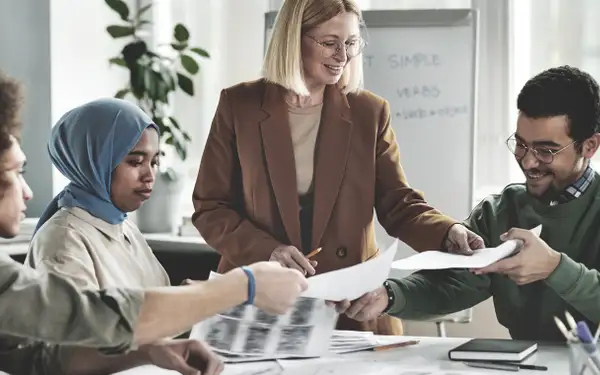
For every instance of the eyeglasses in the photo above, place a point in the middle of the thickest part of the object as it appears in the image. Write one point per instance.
(332, 47)
(543, 155)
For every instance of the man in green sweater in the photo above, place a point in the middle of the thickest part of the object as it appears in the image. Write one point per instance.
(557, 135)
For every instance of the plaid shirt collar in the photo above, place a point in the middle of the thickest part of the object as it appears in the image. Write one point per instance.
(577, 188)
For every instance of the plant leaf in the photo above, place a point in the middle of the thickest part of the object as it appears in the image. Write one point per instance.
(161, 126)
(136, 80)
(180, 148)
(186, 84)
(175, 123)
(143, 22)
(121, 93)
(189, 64)
(181, 33)
(120, 7)
(133, 51)
(168, 78)
(117, 31)
(117, 61)
(200, 52)
(186, 136)
(179, 47)
(143, 9)
(150, 84)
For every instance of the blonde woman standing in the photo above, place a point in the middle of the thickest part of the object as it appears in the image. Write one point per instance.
(299, 160)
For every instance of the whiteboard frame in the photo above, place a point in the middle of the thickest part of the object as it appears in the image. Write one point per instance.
(426, 18)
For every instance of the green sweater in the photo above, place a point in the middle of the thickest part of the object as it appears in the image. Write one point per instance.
(572, 228)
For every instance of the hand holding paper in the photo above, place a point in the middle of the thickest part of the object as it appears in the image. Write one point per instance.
(430, 260)
(535, 260)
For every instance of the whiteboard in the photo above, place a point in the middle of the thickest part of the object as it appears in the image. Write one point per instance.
(424, 62)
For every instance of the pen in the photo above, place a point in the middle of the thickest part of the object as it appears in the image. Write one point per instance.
(519, 365)
(396, 345)
(532, 367)
(585, 337)
(495, 366)
(573, 340)
(314, 252)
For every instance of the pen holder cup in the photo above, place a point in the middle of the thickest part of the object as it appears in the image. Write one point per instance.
(581, 362)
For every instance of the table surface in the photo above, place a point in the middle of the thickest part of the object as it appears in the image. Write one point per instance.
(429, 357)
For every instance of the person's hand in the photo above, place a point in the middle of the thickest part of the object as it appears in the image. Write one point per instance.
(188, 357)
(340, 306)
(461, 240)
(534, 261)
(291, 257)
(370, 306)
(277, 288)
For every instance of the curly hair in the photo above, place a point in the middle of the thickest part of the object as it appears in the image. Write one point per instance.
(564, 91)
(11, 101)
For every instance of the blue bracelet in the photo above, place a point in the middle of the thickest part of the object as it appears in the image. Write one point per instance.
(251, 285)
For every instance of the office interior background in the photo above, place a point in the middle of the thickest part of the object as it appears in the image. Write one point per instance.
(60, 49)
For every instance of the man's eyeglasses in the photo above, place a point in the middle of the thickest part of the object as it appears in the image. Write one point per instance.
(353, 47)
(542, 154)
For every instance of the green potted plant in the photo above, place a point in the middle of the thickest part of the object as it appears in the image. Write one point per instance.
(154, 76)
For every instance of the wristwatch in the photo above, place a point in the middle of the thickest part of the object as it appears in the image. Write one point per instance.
(390, 295)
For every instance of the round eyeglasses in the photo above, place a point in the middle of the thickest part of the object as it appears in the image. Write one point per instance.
(331, 47)
(542, 154)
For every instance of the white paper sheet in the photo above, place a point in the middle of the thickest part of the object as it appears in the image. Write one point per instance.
(352, 282)
(430, 260)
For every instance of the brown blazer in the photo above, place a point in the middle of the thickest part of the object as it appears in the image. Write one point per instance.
(246, 199)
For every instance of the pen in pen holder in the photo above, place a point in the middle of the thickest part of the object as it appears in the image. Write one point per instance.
(584, 357)
(581, 361)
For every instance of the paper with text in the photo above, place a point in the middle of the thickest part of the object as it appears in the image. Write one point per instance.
(352, 282)
(431, 260)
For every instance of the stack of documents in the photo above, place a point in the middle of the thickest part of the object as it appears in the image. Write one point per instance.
(351, 341)
(246, 333)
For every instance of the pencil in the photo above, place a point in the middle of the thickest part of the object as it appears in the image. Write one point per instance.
(314, 252)
(396, 345)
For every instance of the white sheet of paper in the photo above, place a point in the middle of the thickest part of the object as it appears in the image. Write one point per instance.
(352, 282)
(432, 260)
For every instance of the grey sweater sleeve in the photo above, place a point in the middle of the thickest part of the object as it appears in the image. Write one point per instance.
(44, 306)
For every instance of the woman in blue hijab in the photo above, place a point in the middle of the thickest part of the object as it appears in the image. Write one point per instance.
(108, 149)
(87, 144)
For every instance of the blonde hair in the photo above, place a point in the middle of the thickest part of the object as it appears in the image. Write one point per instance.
(283, 60)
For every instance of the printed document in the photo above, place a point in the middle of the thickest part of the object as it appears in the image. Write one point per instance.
(246, 333)
(431, 260)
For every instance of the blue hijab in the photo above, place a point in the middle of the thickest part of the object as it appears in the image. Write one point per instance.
(86, 145)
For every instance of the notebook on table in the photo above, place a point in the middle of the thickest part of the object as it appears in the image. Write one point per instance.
(493, 350)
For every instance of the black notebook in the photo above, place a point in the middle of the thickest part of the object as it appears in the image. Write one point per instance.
(493, 350)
